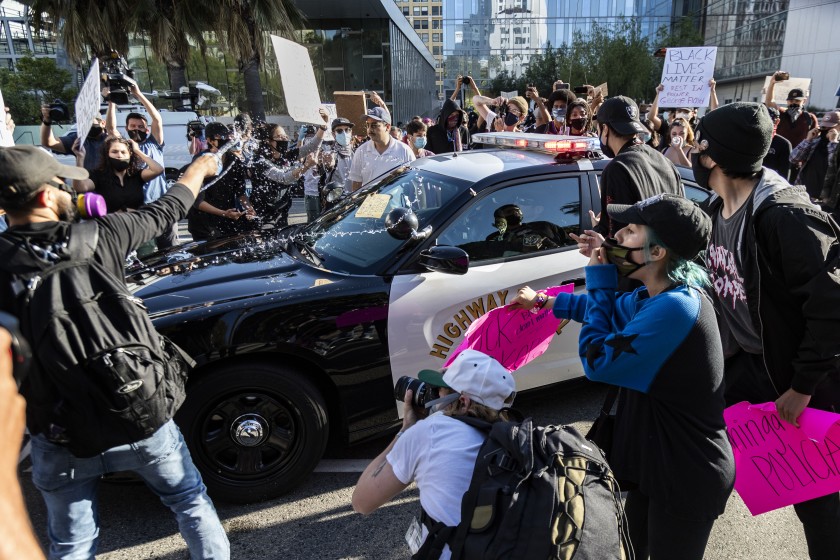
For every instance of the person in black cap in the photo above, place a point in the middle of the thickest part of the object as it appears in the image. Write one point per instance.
(794, 121)
(636, 172)
(773, 259)
(778, 156)
(42, 231)
(660, 344)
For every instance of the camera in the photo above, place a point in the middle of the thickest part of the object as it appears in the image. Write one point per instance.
(466, 80)
(423, 392)
(782, 76)
(59, 111)
(114, 72)
(579, 90)
(21, 354)
(309, 129)
(195, 129)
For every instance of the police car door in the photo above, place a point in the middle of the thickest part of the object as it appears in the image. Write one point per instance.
(516, 235)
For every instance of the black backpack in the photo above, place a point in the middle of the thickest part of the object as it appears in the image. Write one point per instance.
(536, 492)
(104, 377)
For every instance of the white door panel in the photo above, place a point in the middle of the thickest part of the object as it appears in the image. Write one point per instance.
(429, 313)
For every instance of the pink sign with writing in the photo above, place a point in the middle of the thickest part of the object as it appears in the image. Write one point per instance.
(778, 464)
(513, 336)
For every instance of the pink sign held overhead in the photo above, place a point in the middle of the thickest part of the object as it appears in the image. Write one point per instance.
(513, 336)
(778, 464)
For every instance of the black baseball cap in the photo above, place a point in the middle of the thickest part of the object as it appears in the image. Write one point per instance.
(681, 225)
(340, 122)
(796, 93)
(24, 169)
(622, 114)
(214, 129)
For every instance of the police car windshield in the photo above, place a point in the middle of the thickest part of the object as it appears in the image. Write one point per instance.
(352, 237)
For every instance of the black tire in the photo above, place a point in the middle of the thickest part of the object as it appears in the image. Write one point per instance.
(254, 431)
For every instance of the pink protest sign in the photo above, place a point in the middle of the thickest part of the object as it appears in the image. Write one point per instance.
(778, 464)
(513, 336)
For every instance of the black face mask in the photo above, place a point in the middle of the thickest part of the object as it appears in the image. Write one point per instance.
(577, 124)
(95, 132)
(701, 174)
(619, 255)
(119, 164)
(511, 119)
(138, 135)
(605, 148)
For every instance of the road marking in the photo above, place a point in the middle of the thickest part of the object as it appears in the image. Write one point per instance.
(342, 465)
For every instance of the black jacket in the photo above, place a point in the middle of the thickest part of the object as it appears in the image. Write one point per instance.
(437, 139)
(790, 256)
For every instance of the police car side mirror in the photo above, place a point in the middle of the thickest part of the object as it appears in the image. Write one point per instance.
(449, 260)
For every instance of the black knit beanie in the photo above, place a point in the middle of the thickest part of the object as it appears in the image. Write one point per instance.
(737, 136)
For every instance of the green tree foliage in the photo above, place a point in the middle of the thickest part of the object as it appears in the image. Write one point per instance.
(37, 81)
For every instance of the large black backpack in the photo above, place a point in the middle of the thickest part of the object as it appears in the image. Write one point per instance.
(536, 492)
(103, 377)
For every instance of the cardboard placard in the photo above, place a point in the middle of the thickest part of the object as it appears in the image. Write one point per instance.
(298, 79)
(351, 105)
(374, 206)
(6, 138)
(781, 89)
(87, 103)
(509, 94)
(605, 91)
(685, 75)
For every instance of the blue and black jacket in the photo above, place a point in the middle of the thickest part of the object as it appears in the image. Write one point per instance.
(666, 352)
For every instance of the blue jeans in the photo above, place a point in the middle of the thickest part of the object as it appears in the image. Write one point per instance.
(68, 485)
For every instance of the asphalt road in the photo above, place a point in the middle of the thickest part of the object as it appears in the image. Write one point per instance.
(316, 520)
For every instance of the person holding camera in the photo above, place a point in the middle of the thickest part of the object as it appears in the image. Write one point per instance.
(449, 134)
(551, 115)
(511, 112)
(661, 345)
(62, 415)
(794, 121)
(433, 448)
(92, 144)
(195, 136)
(149, 137)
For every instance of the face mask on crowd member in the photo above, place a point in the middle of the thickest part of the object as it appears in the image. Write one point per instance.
(96, 129)
(577, 116)
(343, 131)
(118, 154)
(137, 128)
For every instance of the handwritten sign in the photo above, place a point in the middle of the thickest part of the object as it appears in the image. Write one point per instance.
(513, 336)
(685, 75)
(604, 89)
(87, 104)
(298, 79)
(6, 138)
(777, 464)
(374, 206)
(781, 89)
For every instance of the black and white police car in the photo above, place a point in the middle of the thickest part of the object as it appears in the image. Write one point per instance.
(300, 334)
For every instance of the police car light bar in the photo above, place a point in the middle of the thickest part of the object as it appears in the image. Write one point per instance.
(539, 142)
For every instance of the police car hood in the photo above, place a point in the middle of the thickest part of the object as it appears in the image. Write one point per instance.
(201, 275)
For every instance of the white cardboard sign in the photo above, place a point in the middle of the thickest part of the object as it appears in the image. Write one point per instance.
(781, 89)
(87, 104)
(510, 94)
(298, 79)
(685, 75)
(6, 138)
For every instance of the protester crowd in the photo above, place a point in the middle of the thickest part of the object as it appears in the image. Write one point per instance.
(688, 310)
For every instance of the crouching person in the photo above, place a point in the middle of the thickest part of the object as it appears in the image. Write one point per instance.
(439, 451)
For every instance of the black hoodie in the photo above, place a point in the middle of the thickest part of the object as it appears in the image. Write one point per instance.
(437, 138)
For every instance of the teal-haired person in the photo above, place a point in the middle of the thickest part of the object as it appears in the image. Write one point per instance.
(660, 344)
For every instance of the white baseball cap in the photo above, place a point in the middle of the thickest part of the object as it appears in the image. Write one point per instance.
(478, 376)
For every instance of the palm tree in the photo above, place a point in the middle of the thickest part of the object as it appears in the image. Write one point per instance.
(85, 26)
(243, 26)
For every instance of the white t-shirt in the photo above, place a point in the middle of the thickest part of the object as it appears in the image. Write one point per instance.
(439, 454)
(368, 164)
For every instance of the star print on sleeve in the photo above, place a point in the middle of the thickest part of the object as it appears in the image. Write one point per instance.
(620, 344)
(593, 352)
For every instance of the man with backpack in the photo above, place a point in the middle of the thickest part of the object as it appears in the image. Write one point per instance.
(467, 456)
(773, 258)
(104, 384)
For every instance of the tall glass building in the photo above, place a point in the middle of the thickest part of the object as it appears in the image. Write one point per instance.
(18, 38)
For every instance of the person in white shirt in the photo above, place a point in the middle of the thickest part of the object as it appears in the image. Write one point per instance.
(379, 155)
(439, 452)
